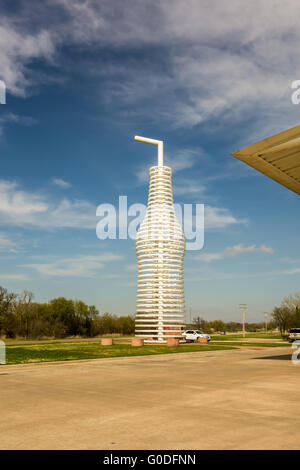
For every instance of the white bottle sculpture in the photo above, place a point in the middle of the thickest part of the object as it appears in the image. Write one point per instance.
(160, 247)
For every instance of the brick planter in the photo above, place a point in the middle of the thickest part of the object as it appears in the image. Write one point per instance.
(202, 340)
(137, 342)
(106, 341)
(172, 342)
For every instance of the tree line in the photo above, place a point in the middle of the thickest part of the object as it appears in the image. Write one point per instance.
(21, 317)
(283, 317)
(230, 327)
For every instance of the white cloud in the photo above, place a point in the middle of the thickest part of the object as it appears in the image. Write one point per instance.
(187, 187)
(221, 59)
(183, 159)
(218, 276)
(180, 160)
(266, 249)
(291, 271)
(14, 277)
(25, 208)
(16, 203)
(215, 218)
(219, 217)
(61, 183)
(231, 251)
(208, 257)
(238, 249)
(78, 266)
(17, 49)
(7, 244)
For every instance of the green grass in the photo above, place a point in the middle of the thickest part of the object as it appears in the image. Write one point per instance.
(257, 345)
(34, 342)
(69, 339)
(248, 335)
(22, 354)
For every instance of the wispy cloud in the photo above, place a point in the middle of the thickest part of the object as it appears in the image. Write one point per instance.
(24, 208)
(21, 208)
(78, 266)
(232, 251)
(16, 203)
(219, 276)
(61, 183)
(7, 244)
(291, 271)
(11, 118)
(182, 159)
(219, 217)
(219, 59)
(266, 249)
(14, 277)
(18, 48)
(188, 187)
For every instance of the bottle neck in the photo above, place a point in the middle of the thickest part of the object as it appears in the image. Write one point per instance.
(160, 187)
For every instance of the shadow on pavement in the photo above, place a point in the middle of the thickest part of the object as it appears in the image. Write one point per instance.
(282, 357)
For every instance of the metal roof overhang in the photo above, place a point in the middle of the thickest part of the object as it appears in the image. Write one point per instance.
(277, 157)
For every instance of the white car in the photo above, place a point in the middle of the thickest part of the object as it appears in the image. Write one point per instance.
(294, 334)
(193, 335)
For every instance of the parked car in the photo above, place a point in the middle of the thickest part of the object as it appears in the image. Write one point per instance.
(193, 335)
(294, 334)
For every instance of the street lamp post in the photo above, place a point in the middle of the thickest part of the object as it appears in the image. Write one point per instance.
(266, 321)
(243, 307)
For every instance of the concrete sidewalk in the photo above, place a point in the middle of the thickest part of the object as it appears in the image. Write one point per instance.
(237, 399)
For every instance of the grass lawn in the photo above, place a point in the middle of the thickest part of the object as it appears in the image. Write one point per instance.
(69, 339)
(248, 335)
(28, 353)
(248, 343)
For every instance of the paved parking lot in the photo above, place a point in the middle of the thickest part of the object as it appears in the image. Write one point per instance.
(239, 399)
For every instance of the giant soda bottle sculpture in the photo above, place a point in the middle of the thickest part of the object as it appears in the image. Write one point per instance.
(160, 247)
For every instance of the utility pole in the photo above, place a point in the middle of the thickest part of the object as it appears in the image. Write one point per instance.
(266, 321)
(191, 316)
(243, 307)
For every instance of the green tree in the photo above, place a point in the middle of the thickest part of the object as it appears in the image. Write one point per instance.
(217, 325)
(291, 301)
(297, 317)
(7, 318)
(125, 325)
(25, 313)
(283, 318)
(202, 324)
(108, 324)
(63, 316)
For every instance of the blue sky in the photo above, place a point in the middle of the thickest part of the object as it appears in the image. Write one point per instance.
(208, 78)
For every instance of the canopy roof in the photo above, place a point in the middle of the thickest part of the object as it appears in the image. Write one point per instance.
(277, 157)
